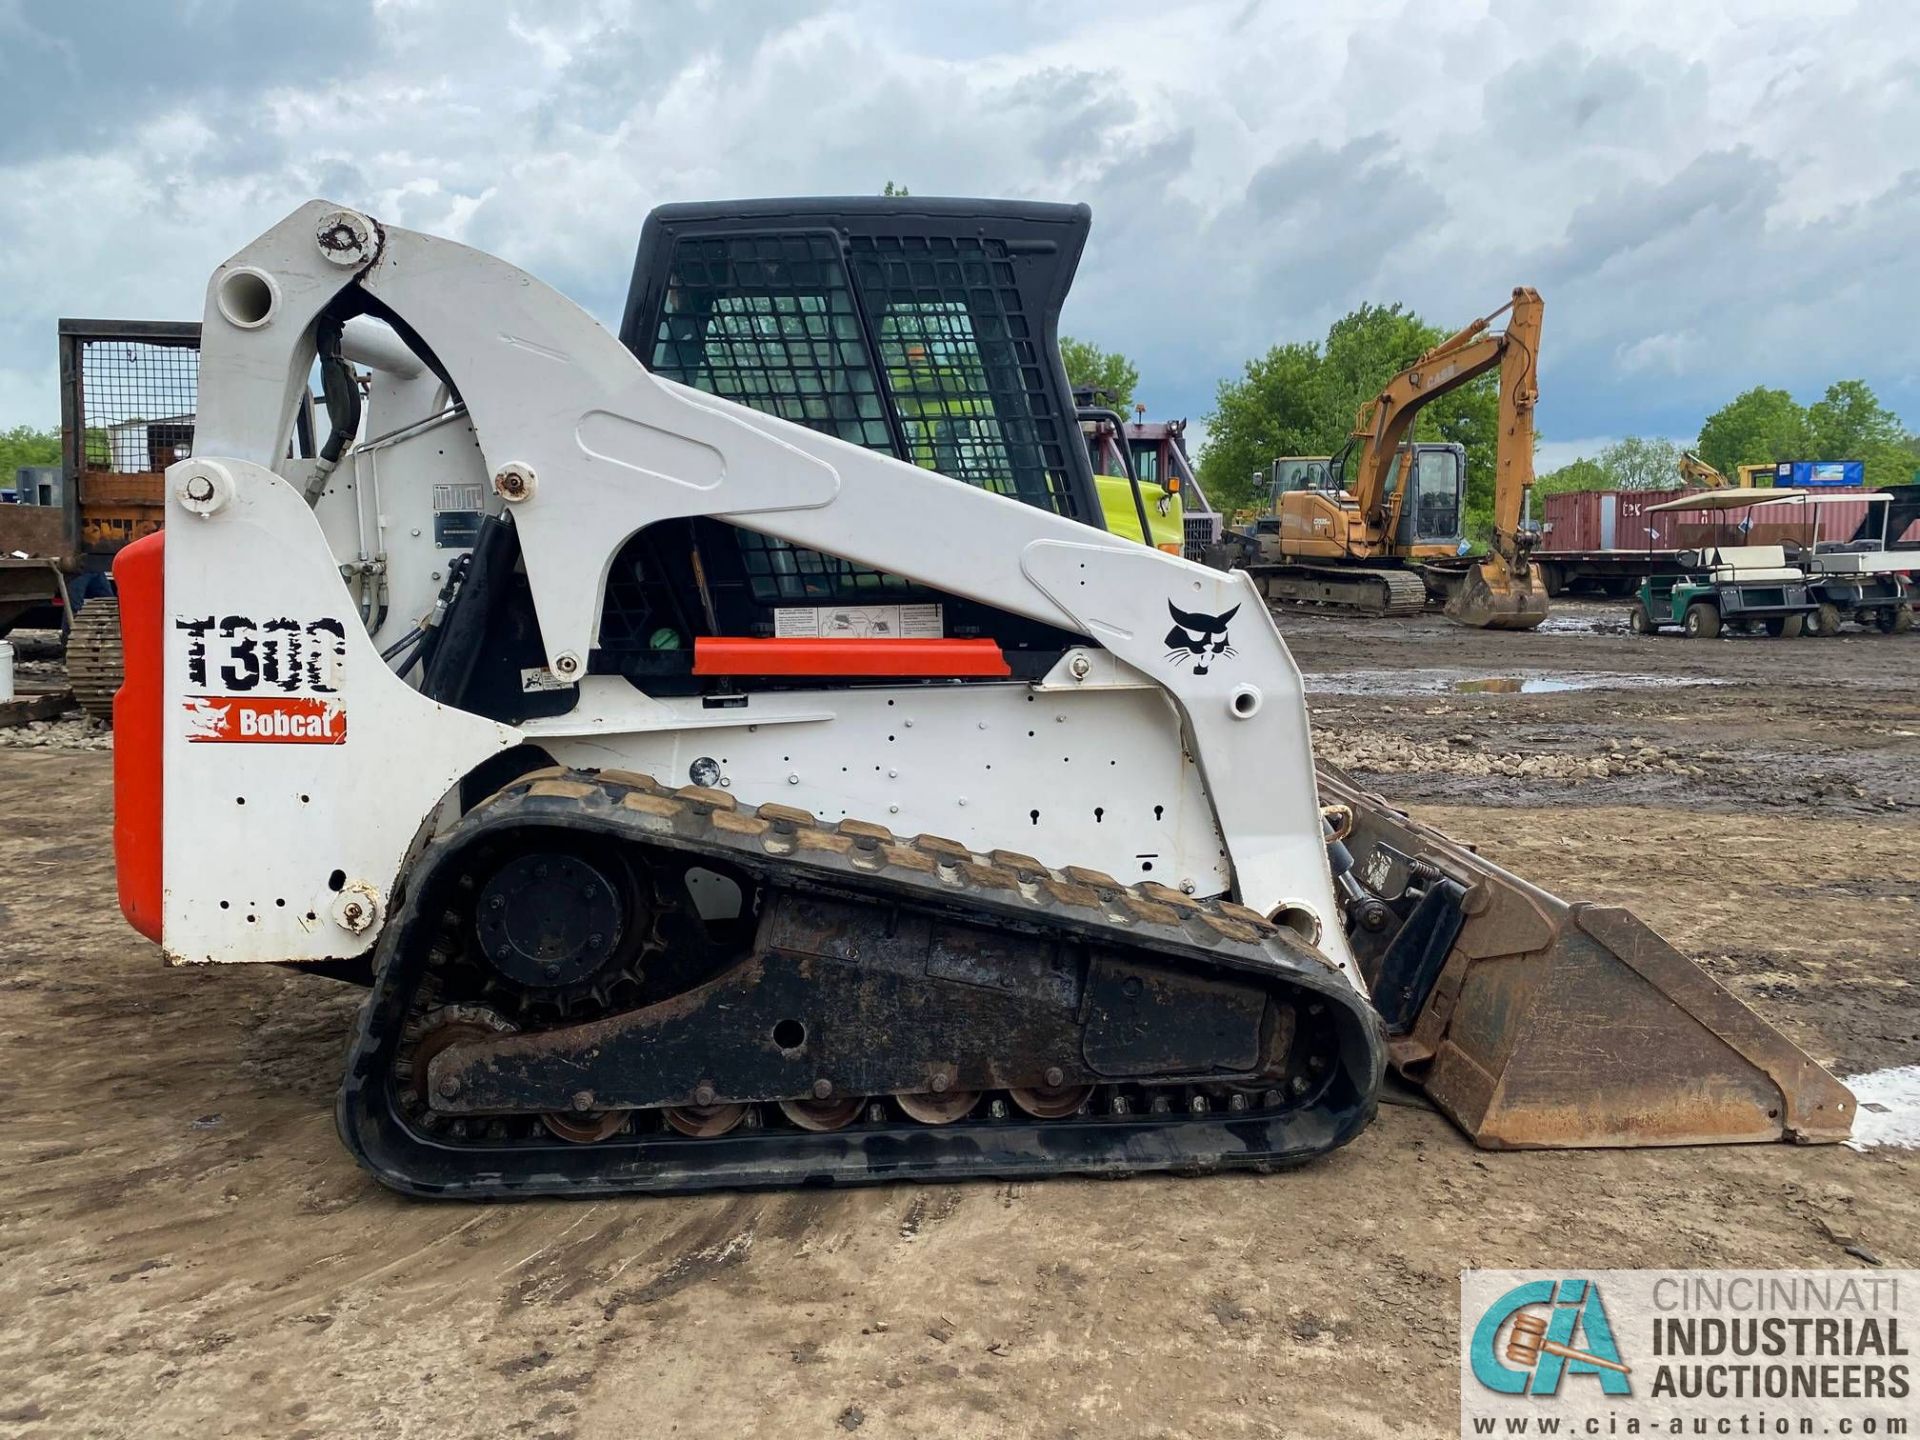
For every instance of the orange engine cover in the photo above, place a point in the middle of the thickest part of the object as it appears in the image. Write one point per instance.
(139, 572)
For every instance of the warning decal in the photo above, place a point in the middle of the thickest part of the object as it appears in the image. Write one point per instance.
(859, 622)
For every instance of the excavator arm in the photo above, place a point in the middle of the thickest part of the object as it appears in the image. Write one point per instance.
(1695, 471)
(1385, 423)
(1501, 592)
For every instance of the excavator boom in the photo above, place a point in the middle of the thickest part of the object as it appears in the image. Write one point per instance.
(1695, 471)
(1385, 423)
(1503, 591)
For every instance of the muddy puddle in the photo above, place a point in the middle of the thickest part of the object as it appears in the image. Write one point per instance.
(1602, 624)
(1513, 685)
(1458, 682)
(1889, 1113)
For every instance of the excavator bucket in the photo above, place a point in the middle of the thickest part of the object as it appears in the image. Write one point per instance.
(1493, 597)
(1533, 1023)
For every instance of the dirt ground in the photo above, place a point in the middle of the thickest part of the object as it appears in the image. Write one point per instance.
(185, 1248)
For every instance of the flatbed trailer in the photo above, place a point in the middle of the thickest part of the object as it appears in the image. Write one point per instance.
(1612, 573)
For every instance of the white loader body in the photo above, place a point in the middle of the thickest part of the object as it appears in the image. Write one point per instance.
(300, 770)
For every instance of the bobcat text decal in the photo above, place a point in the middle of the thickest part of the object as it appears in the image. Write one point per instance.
(275, 682)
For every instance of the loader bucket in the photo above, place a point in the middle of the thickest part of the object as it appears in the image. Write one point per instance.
(1534, 1023)
(1510, 600)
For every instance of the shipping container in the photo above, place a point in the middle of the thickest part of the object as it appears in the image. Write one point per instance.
(1603, 541)
(1599, 519)
(1591, 520)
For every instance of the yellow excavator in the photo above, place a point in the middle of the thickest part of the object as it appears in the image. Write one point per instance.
(1380, 528)
(1695, 471)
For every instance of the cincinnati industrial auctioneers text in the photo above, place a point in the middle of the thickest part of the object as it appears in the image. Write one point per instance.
(1758, 1340)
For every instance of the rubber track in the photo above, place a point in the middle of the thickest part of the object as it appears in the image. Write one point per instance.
(790, 848)
(1406, 592)
(95, 664)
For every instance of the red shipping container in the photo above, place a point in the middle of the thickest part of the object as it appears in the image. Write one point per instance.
(1587, 520)
(1600, 519)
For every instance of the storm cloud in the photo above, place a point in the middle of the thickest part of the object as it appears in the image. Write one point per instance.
(1708, 197)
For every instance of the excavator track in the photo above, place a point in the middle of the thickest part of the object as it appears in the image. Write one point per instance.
(1376, 592)
(95, 664)
(878, 1009)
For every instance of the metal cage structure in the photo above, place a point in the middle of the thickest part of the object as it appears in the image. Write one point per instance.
(129, 391)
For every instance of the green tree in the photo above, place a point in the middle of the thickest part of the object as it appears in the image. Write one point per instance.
(1302, 399)
(1847, 423)
(1581, 474)
(1754, 428)
(1636, 463)
(1850, 423)
(895, 191)
(24, 445)
(1276, 408)
(1088, 366)
(1849, 419)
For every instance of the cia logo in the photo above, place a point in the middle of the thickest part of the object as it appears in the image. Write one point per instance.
(1542, 1323)
(1198, 637)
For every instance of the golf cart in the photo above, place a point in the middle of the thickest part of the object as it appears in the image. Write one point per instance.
(1724, 582)
(1857, 579)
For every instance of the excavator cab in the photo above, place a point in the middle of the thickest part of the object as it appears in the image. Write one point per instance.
(1294, 473)
(1436, 499)
(1432, 474)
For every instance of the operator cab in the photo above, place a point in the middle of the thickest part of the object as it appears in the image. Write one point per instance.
(1294, 473)
(1131, 503)
(1439, 493)
(924, 329)
(1436, 504)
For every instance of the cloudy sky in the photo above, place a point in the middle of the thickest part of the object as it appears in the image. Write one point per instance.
(1709, 196)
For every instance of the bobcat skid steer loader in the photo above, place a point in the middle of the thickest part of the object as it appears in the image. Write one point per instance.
(715, 801)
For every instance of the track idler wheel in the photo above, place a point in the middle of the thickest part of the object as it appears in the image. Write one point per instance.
(1050, 1102)
(585, 1129)
(941, 1109)
(436, 1031)
(834, 1114)
(704, 1122)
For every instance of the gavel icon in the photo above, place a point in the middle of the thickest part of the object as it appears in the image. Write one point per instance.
(1528, 1342)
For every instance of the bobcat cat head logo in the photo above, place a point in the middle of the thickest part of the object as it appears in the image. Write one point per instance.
(1199, 637)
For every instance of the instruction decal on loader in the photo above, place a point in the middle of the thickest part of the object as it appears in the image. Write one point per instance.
(273, 682)
(860, 622)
